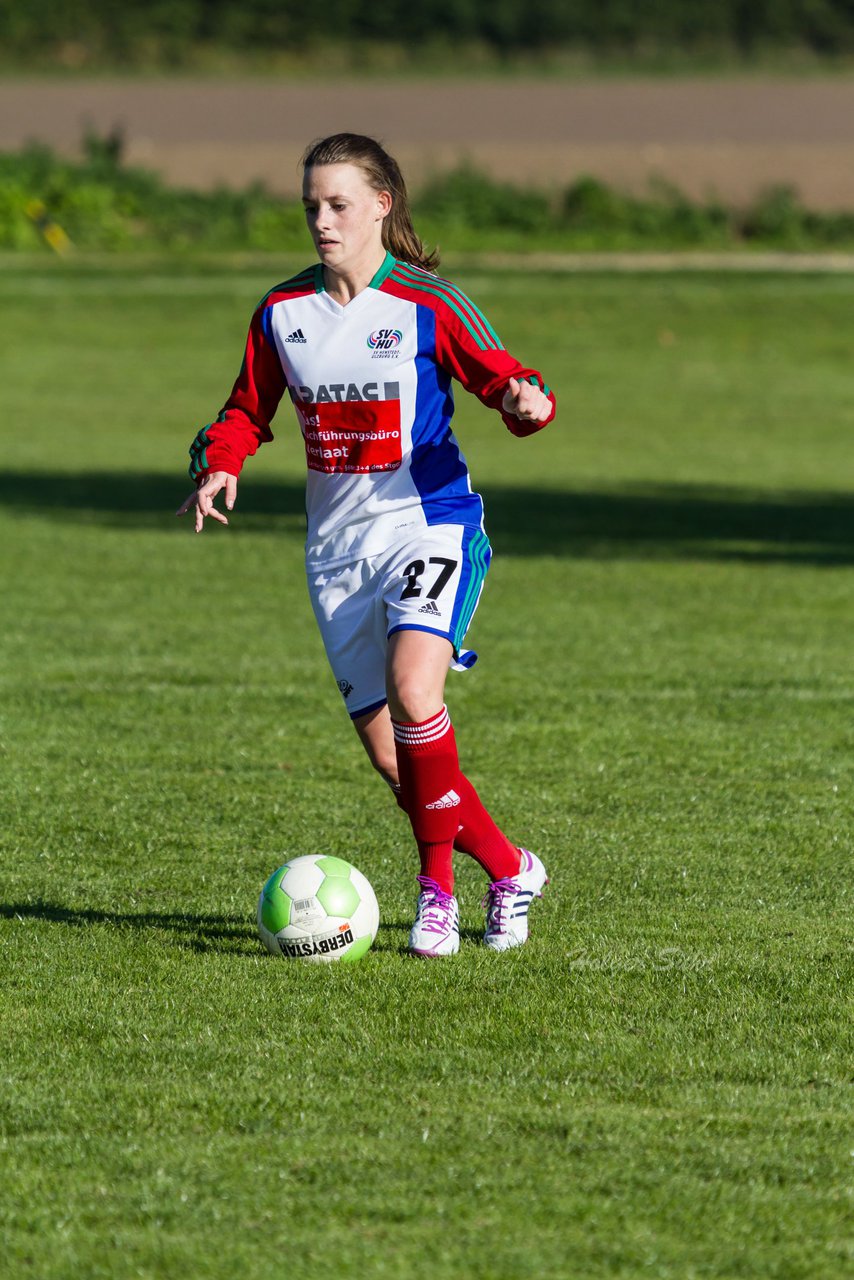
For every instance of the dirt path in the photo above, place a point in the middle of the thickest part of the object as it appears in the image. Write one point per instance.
(730, 137)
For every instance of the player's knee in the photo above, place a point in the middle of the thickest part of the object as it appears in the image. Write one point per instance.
(414, 694)
(415, 675)
(412, 699)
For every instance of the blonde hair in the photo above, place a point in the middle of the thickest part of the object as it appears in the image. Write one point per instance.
(382, 173)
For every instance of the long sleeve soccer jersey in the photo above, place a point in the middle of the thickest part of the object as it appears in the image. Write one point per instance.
(371, 385)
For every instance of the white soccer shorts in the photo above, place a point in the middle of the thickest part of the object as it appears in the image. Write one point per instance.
(431, 583)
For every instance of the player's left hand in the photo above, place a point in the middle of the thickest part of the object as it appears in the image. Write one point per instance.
(201, 500)
(526, 402)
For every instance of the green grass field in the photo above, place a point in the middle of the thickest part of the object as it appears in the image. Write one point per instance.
(659, 1084)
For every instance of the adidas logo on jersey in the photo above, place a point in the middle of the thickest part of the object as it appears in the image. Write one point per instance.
(449, 800)
(296, 336)
(430, 607)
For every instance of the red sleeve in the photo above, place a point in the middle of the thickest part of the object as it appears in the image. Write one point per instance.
(243, 423)
(472, 353)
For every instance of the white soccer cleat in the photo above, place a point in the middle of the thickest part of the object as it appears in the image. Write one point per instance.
(507, 902)
(436, 931)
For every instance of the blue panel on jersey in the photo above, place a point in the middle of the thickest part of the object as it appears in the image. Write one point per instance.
(267, 326)
(438, 469)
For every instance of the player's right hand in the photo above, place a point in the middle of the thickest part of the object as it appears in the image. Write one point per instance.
(203, 498)
(526, 402)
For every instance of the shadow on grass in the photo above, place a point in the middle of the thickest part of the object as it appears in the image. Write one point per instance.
(142, 501)
(195, 932)
(199, 933)
(631, 521)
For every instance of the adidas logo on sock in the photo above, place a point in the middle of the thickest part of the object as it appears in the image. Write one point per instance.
(449, 801)
(296, 336)
(430, 607)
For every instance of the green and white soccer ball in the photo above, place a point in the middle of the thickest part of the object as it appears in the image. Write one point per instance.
(318, 908)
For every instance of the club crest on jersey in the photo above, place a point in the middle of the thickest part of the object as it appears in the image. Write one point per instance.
(384, 343)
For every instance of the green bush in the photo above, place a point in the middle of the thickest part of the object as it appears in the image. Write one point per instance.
(17, 229)
(100, 204)
(168, 32)
(667, 217)
(468, 198)
(778, 219)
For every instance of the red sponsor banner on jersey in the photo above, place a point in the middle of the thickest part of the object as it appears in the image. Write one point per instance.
(352, 437)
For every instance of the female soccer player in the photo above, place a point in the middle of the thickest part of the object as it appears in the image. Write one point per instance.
(366, 343)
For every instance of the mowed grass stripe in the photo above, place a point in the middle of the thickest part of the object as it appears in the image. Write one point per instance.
(659, 1084)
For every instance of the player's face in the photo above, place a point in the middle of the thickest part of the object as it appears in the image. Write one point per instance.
(345, 216)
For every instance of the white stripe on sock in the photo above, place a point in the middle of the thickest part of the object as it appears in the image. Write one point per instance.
(416, 735)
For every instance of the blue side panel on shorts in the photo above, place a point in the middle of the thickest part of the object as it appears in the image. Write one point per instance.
(476, 556)
(364, 711)
(438, 469)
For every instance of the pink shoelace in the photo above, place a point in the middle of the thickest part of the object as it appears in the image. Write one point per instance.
(437, 910)
(497, 900)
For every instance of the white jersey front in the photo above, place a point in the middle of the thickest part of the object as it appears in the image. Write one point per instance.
(354, 382)
(371, 385)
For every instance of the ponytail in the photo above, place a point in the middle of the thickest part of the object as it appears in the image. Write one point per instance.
(382, 173)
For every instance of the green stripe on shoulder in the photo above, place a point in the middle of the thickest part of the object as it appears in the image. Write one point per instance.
(474, 320)
(476, 309)
(456, 299)
(295, 284)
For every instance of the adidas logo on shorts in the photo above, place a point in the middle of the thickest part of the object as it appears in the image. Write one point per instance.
(430, 607)
(449, 800)
(296, 336)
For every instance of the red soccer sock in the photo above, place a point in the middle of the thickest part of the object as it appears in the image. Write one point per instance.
(429, 773)
(481, 838)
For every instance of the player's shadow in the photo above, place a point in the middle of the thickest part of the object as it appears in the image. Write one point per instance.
(675, 521)
(628, 521)
(193, 932)
(146, 500)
